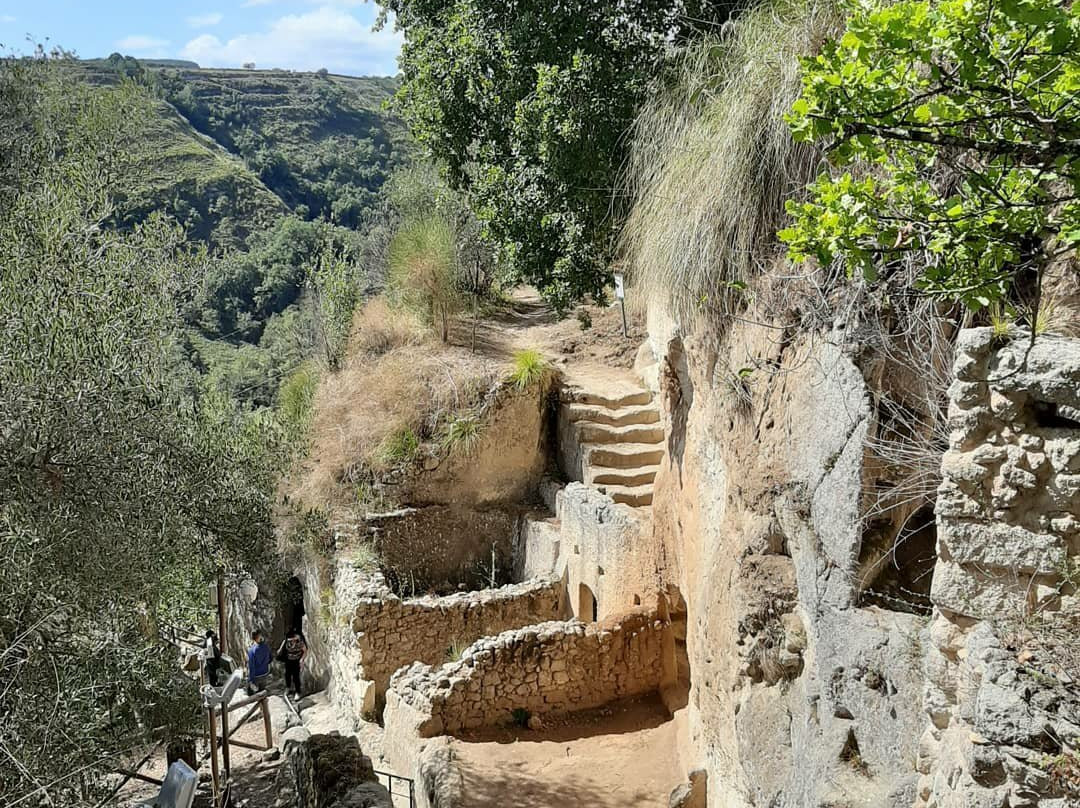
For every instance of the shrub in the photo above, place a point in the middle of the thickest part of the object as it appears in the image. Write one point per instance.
(296, 396)
(422, 264)
(530, 369)
(364, 557)
(378, 329)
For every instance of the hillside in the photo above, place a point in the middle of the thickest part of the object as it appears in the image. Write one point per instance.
(321, 143)
(232, 150)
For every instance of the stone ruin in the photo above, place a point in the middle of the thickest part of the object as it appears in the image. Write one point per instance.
(823, 693)
(1001, 669)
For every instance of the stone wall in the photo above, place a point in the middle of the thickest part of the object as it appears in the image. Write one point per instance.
(551, 668)
(391, 633)
(593, 543)
(1001, 668)
(330, 771)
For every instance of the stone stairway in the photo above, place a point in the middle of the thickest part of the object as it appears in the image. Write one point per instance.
(611, 437)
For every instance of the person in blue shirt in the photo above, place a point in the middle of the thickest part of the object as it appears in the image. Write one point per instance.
(258, 663)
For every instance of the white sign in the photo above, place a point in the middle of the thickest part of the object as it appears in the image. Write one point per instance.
(619, 286)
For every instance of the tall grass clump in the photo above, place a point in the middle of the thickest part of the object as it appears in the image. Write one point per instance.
(296, 397)
(530, 369)
(712, 160)
(422, 271)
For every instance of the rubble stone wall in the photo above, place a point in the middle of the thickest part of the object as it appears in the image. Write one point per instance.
(1000, 699)
(392, 633)
(551, 668)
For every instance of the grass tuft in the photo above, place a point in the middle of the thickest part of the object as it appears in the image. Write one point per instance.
(712, 161)
(462, 434)
(456, 650)
(530, 369)
(400, 446)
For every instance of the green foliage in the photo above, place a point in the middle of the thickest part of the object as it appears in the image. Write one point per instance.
(712, 161)
(400, 446)
(520, 717)
(422, 271)
(335, 281)
(462, 434)
(953, 133)
(364, 558)
(530, 369)
(526, 104)
(330, 162)
(296, 397)
(456, 650)
(123, 491)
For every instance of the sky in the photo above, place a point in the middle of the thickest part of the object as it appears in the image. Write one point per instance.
(290, 34)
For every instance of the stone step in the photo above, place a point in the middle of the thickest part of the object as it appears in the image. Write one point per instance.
(622, 455)
(589, 432)
(628, 477)
(621, 416)
(636, 496)
(612, 400)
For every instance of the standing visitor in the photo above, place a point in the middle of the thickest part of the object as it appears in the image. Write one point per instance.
(292, 650)
(211, 656)
(258, 663)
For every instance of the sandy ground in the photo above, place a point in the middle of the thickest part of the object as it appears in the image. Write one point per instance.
(615, 757)
(526, 322)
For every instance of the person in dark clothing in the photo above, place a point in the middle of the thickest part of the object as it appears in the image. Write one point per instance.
(292, 651)
(211, 655)
(294, 599)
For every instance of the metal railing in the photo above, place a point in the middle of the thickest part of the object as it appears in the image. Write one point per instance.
(405, 788)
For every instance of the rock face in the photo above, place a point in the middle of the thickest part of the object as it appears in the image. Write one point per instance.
(1001, 700)
(332, 772)
(799, 694)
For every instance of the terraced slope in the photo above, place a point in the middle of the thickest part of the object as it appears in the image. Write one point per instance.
(232, 150)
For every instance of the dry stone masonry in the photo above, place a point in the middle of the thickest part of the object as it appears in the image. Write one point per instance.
(392, 633)
(551, 668)
(1002, 703)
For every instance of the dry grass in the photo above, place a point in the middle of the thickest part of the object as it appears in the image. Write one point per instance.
(712, 160)
(378, 329)
(396, 381)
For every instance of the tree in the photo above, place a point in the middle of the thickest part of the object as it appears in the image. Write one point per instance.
(526, 103)
(118, 482)
(954, 137)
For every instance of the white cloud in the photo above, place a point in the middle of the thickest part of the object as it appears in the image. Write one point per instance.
(6, 18)
(141, 45)
(326, 37)
(205, 20)
(250, 3)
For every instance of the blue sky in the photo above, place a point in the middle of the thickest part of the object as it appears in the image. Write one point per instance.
(291, 34)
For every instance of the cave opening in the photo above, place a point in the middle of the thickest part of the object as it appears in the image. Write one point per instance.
(897, 562)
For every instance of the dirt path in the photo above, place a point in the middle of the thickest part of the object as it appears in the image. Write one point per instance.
(618, 757)
(527, 322)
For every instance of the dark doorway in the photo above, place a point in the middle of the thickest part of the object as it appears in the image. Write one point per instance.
(587, 608)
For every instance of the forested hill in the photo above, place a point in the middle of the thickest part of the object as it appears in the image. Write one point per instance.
(232, 150)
